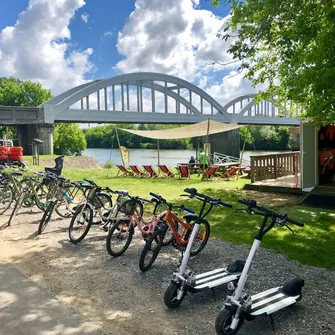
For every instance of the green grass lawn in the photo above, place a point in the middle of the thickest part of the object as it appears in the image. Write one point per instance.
(313, 244)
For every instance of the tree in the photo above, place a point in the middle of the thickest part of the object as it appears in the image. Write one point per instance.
(289, 46)
(15, 92)
(68, 138)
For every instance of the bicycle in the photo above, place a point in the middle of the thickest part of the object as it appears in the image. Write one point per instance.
(56, 194)
(28, 195)
(121, 233)
(74, 194)
(96, 203)
(10, 187)
(180, 240)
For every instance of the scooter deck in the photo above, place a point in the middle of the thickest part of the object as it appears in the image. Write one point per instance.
(212, 278)
(270, 301)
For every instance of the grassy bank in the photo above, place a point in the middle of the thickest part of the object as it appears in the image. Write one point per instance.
(313, 244)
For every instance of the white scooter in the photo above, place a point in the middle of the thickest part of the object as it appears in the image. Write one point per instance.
(183, 280)
(240, 305)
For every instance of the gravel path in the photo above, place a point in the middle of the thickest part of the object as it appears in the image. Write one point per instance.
(116, 296)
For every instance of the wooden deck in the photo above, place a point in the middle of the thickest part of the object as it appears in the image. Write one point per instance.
(289, 184)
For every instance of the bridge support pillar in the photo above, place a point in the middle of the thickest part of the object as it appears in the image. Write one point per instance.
(44, 132)
(226, 143)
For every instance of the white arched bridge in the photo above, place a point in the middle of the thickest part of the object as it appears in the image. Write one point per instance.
(147, 97)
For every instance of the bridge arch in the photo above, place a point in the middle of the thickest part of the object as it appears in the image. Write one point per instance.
(181, 91)
(168, 99)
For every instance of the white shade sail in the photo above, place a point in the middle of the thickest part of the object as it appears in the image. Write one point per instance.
(193, 130)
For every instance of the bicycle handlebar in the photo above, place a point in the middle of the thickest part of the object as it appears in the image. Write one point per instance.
(182, 207)
(253, 204)
(192, 192)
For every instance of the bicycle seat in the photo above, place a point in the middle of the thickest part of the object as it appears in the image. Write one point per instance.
(190, 217)
(17, 173)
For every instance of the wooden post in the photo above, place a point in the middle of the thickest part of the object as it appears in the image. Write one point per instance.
(253, 168)
(158, 157)
(118, 142)
(207, 140)
(241, 159)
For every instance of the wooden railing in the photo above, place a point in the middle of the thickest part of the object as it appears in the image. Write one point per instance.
(274, 166)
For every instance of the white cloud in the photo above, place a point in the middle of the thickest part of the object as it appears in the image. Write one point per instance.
(37, 47)
(84, 17)
(108, 33)
(176, 37)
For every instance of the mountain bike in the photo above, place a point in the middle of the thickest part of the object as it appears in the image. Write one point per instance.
(180, 240)
(10, 187)
(96, 205)
(28, 195)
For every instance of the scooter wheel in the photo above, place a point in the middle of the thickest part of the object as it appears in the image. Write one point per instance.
(223, 322)
(170, 295)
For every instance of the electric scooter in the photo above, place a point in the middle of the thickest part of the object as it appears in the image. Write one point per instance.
(240, 306)
(183, 280)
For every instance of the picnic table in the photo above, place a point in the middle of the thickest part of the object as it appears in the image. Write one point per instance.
(193, 167)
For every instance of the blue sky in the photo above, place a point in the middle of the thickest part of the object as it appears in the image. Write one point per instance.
(62, 43)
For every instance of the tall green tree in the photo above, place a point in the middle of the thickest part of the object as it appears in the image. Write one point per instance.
(68, 139)
(290, 46)
(15, 92)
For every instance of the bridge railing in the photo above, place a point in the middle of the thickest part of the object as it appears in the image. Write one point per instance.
(219, 158)
(274, 166)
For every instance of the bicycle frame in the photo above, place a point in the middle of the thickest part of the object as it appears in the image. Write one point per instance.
(171, 217)
(146, 226)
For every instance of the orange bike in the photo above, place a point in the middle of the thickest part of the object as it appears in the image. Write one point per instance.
(180, 236)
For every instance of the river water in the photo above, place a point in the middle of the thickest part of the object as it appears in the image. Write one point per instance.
(150, 157)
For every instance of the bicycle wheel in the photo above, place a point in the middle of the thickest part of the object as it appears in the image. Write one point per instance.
(41, 192)
(129, 206)
(151, 249)
(169, 236)
(16, 208)
(103, 204)
(80, 223)
(46, 216)
(201, 237)
(119, 237)
(29, 199)
(6, 197)
(73, 196)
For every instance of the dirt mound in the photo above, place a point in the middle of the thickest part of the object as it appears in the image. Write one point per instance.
(76, 162)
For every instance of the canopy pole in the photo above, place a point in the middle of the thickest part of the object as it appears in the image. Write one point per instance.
(241, 159)
(118, 142)
(158, 158)
(207, 139)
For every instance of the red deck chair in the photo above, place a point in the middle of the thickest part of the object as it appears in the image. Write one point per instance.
(124, 171)
(184, 172)
(137, 171)
(150, 170)
(232, 172)
(210, 173)
(166, 171)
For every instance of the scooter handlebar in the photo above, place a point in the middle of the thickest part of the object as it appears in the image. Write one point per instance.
(253, 204)
(297, 223)
(225, 204)
(249, 203)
